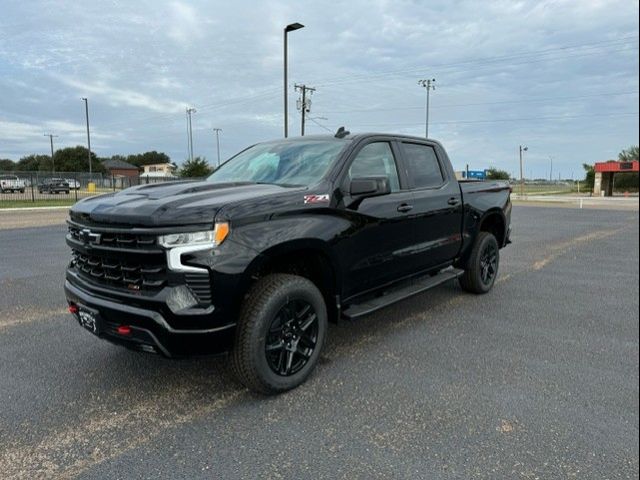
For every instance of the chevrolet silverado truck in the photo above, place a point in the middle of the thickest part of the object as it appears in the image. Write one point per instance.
(280, 240)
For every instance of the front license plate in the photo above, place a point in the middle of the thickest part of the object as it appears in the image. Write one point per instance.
(88, 320)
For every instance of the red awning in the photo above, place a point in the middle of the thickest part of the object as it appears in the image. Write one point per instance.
(617, 166)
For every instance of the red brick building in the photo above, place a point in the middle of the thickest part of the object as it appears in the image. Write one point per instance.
(120, 168)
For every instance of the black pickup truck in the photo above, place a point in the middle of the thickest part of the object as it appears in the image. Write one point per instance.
(283, 238)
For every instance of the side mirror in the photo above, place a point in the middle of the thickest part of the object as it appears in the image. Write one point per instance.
(369, 186)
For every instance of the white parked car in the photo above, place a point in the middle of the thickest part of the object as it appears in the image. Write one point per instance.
(11, 183)
(73, 184)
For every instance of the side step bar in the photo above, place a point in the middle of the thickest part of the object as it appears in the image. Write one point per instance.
(397, 294)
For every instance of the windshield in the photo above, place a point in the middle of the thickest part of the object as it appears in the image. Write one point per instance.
(301, 163)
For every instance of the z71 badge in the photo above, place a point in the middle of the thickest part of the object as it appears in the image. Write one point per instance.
(316, 198)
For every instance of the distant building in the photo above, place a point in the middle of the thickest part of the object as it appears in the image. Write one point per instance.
(120, 168)
(158, 170)
(605, 175)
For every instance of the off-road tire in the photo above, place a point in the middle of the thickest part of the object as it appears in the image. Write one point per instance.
(472, 279)
(266, 298)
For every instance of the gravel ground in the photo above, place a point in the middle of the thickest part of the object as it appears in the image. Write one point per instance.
(537, 379)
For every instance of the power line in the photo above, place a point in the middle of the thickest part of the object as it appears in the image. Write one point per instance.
(456, 122)
(350, 78)
(320, 125)
(505, 102)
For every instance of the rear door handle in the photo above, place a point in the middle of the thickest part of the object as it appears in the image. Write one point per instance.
(404, 208)
(453, 201)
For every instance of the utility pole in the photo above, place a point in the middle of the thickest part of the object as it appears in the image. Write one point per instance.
(429, 85)
(53, 166)
(304, 105)
(522, 149)
(190, 110)
(289, 28)
(551, 169)
(218, 130)
(86, 111)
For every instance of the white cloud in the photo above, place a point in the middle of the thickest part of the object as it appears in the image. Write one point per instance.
(117, 97)
(142, 62)
(184, 22)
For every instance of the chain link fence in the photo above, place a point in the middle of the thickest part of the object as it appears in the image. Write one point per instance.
(56, 187)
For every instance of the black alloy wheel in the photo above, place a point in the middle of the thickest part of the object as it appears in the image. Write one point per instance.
(481, 268)
(281, 329)
(489, 263)
(292, 337)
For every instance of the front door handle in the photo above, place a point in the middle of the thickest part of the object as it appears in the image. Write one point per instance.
(453, 201)
(404, 208)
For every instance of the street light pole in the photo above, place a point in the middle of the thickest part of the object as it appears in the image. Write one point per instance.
(53, 166)
(190, 110)
(218, 130)
(522, 149)
(289, 28)
(86, 111)
(551, 169)
(429, 85)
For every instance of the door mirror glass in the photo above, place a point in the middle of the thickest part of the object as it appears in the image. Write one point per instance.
(369, 186)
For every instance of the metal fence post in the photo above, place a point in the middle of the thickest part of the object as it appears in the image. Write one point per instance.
(33, 197)
(76, 185)
(113, 182)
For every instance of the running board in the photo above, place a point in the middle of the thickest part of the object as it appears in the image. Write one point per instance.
(359, 309)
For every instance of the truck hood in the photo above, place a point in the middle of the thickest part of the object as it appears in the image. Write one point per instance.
(170, 203)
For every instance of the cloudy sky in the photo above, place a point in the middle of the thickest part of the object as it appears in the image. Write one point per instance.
(558, 76)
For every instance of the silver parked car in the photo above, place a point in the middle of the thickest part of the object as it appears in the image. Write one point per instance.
(73, 184)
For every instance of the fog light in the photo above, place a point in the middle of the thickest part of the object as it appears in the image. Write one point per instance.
(124, 330)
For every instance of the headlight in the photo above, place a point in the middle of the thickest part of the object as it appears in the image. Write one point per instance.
(211, 238)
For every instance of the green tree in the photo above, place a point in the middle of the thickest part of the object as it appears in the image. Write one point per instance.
(31, 163)
(629, 154)
(199, 167)
(147, 158)
(7, 165)
(590, 175)
(495, 174)
(74, 159)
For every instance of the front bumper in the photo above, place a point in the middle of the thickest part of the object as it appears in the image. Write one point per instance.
(152, 326)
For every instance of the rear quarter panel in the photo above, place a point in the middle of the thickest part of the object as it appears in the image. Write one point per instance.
(482, 199)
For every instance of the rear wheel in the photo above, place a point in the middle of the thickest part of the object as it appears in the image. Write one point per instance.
(280, 333)
(482, 267)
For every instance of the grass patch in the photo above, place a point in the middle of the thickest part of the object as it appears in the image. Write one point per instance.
(63, 202)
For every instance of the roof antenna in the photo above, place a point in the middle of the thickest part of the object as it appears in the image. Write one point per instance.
(341, 133)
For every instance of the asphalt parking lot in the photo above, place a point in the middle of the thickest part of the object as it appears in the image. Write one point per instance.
(537, 379)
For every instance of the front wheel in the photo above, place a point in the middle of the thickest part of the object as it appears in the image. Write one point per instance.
(280, 333)
(482, 267)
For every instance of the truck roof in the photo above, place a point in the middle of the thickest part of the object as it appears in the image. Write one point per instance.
(356, 136)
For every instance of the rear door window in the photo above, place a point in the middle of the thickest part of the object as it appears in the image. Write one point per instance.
(422, 165)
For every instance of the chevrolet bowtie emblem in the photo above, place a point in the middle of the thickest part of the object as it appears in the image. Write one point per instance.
(90, 237)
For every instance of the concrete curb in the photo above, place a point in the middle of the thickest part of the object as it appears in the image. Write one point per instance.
(27, 209)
